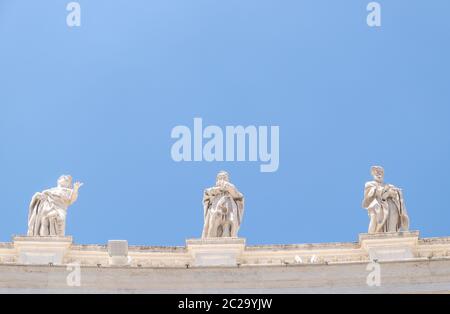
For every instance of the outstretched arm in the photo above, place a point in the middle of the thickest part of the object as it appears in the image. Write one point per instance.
(75, 190)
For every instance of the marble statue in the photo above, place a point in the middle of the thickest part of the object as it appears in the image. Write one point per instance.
(223, 209)
(385, 205)
(48, 209)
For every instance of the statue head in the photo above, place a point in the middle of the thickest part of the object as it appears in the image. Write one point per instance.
(378, 173)
(65, 181)
(222, 177)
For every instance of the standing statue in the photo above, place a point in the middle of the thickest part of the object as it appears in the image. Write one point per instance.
(48, 209)
(223, 208)
(385, 205)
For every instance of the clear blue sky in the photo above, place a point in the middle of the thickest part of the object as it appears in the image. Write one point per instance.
(99, 102)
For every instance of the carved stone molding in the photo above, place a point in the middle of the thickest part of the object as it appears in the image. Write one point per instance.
(216, 251)
(41, 250)
(395, 246)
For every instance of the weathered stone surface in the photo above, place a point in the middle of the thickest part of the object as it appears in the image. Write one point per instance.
(296, 268)
(385, 205)
(216, 251)
(421, 276)
(41, 250)
(390, 246)
(118, 253)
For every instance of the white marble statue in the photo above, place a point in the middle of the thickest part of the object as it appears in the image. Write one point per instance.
(385, 205)
(48, 209)
(223, 209)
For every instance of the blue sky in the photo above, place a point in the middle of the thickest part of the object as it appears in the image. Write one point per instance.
(99, 102)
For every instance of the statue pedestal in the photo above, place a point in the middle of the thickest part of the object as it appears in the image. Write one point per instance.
(41, 250)
(216, 251)
(394, 246)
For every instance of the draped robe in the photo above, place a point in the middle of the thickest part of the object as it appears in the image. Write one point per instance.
(211, 199)
(47, 212)
(386, 203)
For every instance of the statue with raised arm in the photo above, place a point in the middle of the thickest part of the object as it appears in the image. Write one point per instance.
(223, 208)
(385, 205)
(48, 209)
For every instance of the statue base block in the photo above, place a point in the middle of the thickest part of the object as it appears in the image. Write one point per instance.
(41, 250)
(395, 246)
(216, 251)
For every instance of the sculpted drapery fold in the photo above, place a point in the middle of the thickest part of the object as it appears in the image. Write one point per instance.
(223, 207)
(385, 205)
(48, 209)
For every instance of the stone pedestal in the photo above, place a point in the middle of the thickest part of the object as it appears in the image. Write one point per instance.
(216, 251)
(41, 250)
(118, 253)
(395, 246)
